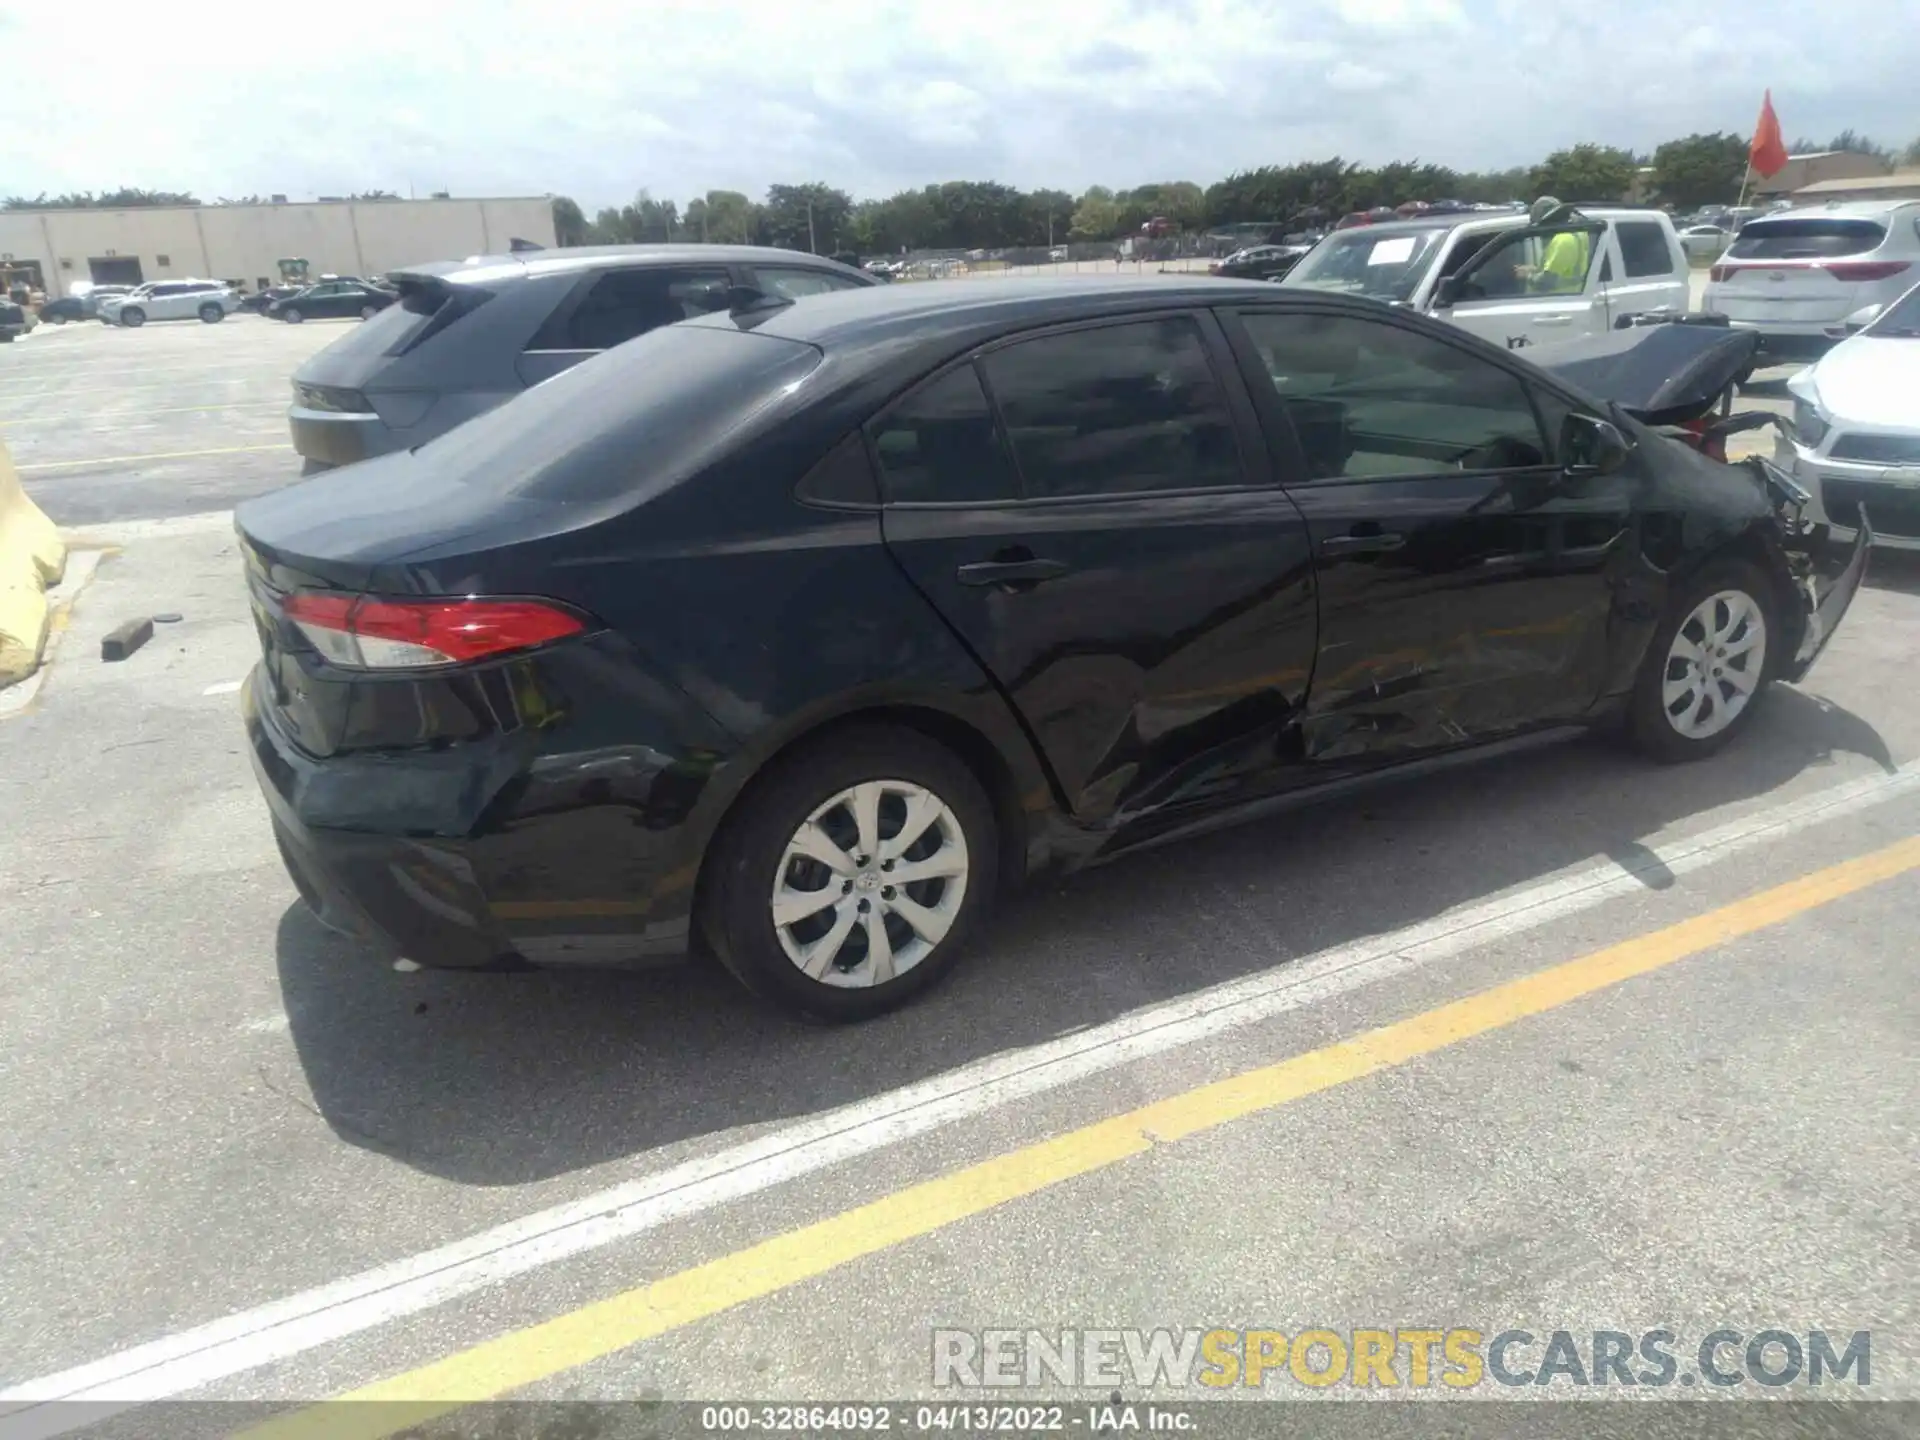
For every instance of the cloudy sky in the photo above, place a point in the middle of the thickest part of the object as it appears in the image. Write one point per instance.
(596, 98)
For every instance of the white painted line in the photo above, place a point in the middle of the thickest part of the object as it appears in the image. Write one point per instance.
(244, 1341)
(225, 687)
(265, 1025)
(126, 532)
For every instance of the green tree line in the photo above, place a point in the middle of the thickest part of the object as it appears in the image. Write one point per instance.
(1687, 173)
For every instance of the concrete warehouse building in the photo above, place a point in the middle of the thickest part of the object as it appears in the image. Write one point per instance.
(245, 242)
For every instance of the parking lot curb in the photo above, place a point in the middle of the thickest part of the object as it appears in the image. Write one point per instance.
(32, 558)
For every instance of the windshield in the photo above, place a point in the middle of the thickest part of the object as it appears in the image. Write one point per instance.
(1813, 238)
(1900, 320)
(1365, 262)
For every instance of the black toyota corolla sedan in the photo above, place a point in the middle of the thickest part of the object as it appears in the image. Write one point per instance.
(799, 631)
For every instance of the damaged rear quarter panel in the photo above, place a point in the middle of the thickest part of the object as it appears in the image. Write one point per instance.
(1697, 510)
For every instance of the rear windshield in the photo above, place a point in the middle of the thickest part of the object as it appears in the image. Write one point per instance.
(628, 422)
(1362, 261)
(421, 310)
(1813, 238)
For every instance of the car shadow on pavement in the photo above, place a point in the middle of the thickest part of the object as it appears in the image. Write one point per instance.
(504, 1079)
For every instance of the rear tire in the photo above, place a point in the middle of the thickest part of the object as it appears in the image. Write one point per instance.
(807, 806)
(133, 317)
(1708, 666)
(57, 319)
(212, 314)
(367, 312)
(291, 315)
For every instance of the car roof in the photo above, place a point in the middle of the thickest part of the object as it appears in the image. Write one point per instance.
(482, 269)
(1845, 209)
(850, 320)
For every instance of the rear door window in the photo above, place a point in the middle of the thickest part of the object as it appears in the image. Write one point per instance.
(1815, 237)
(1643, 249)
(622, 304)
(1116, 410)
(938, 445)
(796, 283)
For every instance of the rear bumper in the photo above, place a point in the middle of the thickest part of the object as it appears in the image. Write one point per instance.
(333, 437)
(488, 855)
(1785, 340)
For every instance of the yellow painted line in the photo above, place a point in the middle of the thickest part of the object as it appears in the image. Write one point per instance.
(523, 1357)
(162, 455)
(139, 414)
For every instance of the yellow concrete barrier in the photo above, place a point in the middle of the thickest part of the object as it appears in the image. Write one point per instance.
(32, 557)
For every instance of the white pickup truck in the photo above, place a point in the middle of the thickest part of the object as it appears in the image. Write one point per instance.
(1580, 272)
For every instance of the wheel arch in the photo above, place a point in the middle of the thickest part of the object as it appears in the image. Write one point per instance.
(1759, 547)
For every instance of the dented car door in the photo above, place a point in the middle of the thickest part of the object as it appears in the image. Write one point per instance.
(1462, 575)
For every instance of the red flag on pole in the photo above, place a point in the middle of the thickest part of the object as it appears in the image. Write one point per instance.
(1768, 152)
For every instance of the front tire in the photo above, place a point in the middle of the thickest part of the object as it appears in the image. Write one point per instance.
(133, 318)
(1708, 666)
(212, 314)
(367, 312)
(292, 315)
(853, 873)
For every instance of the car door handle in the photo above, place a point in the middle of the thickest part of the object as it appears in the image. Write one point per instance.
(1361, 544)
(1029, 571)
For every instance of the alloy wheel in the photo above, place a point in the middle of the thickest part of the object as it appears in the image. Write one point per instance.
(1715, 664)
(870, 883)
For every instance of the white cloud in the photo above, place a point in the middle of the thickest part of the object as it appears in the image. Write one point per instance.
(1355, 79)
(597, 99)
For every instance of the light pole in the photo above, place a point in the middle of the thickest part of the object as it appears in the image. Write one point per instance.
(812, 248)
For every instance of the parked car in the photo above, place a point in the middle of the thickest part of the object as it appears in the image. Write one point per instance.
(1795, 276)
(1856, 422)
(331, 300)
(258, 302)
(1509, 280)
(84, 306)
(1259, 262)
(1704, 242)
(15, 320)
(467, 335)
(208, 300)
(805, 628)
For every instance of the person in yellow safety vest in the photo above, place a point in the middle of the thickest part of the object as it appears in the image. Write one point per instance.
(1563, 269)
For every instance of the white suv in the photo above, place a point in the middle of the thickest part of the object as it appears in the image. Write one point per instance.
(207, 300)
(1580, 272)
(1795, 277)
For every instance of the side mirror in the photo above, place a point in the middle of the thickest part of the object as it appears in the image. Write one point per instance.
(1591, 446)
(1448, 294)
(1861, 318)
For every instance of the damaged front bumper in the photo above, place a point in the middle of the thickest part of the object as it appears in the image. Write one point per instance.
(1827, 569)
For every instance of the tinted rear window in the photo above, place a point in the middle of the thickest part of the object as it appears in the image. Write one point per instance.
(420, 311)
(1814, 238)
(630, 421)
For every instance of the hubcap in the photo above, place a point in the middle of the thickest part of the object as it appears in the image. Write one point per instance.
(1715, 664)
(870, 883)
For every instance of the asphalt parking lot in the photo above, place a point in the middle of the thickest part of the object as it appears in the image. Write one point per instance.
(109, 424)
(1555, 1040)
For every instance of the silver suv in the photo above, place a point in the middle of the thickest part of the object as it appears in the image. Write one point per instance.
(208, 300)
(1796, 276)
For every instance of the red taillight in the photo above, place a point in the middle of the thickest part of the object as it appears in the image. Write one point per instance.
(359, 632)
(1717, 273)
(1858, 271)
